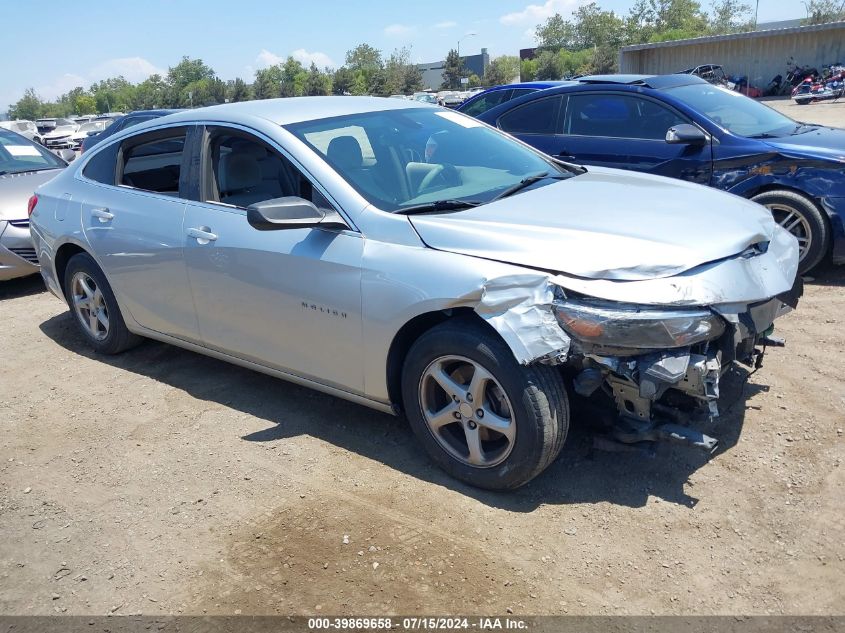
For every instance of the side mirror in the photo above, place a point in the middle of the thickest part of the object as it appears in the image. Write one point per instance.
(67, 155)
(685, 134)
(290, 212)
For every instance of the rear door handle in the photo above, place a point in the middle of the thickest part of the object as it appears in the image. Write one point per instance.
(202, 235)
(102, 214)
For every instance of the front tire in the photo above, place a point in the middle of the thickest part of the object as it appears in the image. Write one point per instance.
(482, 417)
(802, 218)
(94, 308)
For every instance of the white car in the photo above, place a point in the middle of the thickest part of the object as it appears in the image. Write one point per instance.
(59, 135)
(25, 128)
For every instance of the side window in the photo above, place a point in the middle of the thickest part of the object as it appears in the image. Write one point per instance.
(537, 117)
(520, 92)
(154, 164)
(486, 102)
(327, 142)
(244, 170)
(618, 116)
(102, 165)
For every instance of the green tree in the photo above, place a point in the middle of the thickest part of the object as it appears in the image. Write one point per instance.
(502, 70)
(730, 16)
(343, 80)
(555, 33)
(294, 77)
(549, 66)
(453, 70)
(594, 27)
(401, 76)
(364, 57)
(413, 79)
(237, 90)
(85, 104)
(268, 82)
(317, 83)
(151, 93)
(28, 107)
(367, 61)
(822, 11)
(528, 70)
(648, 18)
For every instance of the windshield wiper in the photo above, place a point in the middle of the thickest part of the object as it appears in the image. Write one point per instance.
(438, 206)
(526, 182)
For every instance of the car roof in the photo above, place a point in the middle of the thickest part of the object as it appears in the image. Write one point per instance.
(158, 111)
(649, 81)
(296, 109)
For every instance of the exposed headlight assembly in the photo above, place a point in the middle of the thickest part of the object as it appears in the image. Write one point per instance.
(635, 326)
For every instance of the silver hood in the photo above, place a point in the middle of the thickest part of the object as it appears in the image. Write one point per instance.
(605, 224)
(16, 189)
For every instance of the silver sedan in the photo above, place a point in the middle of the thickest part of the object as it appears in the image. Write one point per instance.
(24, 165)
(417, 261)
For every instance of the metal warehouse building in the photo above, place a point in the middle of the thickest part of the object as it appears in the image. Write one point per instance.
(759, 55)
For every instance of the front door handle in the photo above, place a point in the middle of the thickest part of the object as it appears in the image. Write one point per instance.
(102, 214)
(202, 235)
(565, 155)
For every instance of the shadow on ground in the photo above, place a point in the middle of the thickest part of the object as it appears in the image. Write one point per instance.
(580, 474)
(828, 275)
(21, 287)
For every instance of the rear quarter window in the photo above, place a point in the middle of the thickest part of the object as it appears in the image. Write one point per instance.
(102, 165)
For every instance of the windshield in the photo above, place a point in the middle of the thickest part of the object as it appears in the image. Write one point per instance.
(733, 111)
(17, 154)
(401, 158)
(93, 126)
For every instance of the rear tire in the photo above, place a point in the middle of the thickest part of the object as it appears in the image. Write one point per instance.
(801, 217)
(94, 308)
(517, 421)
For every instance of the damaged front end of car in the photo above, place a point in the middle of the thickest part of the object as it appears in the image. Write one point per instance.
(660, 364)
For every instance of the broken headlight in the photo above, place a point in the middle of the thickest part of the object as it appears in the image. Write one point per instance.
(635, 326)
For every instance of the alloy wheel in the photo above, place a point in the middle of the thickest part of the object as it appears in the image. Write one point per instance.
(89, 305)
(795, 223)
(467, 411)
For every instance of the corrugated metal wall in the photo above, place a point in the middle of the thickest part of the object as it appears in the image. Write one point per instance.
(759, 58)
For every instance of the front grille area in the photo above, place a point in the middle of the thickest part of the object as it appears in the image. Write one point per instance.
(21, 224)
(26, 253)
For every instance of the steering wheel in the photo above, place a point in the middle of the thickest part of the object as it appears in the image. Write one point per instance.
(447, 173)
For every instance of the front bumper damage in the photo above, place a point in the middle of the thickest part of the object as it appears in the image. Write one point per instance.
(657, 393)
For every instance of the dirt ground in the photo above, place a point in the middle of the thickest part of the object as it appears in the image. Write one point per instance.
(822, 113)
(161, 481)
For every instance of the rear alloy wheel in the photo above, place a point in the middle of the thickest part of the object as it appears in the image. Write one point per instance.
(94, 307)
(89, 305)
(802, 219)
(483, 417)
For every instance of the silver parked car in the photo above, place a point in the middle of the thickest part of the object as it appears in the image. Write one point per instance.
(23, 166)
(25, 128)
(306, 238)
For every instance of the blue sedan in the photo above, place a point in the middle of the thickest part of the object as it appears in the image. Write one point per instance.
(683, 127)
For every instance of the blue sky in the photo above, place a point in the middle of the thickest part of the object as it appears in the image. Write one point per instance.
(236, 37)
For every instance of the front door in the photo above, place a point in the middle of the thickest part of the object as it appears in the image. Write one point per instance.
(287, 299)
(629, 132)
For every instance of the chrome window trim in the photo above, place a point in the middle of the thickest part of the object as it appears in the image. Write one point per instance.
(207, 123)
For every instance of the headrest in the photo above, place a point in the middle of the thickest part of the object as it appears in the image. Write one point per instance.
(345, 152)
(237, 172)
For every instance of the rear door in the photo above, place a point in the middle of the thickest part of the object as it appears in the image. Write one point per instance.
(626, 131)
(132, 215)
